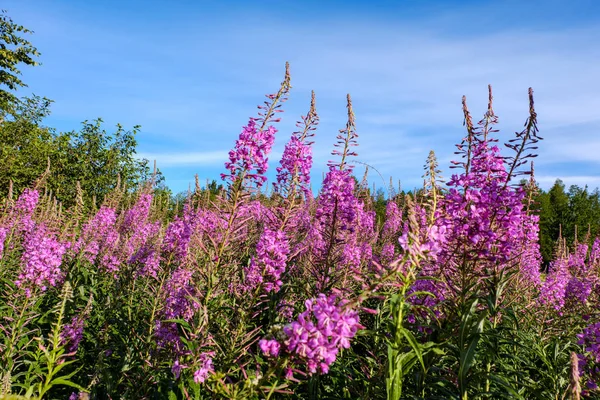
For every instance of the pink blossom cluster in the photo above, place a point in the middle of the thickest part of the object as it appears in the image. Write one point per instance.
(337, 202)
(483, 215)
(479, 224)
(248, 160)
(194, 227)
(554, 288)
(98, 234)
(269, 263)
(296, 163)
(24, 209)
(180, 301)
(177, 238)
(72, 333)
(318, 334)
(589, 339)
(3, 233)
(27, 202)
(41, 260)
(138, 213)
(205, 367)
(571, 278)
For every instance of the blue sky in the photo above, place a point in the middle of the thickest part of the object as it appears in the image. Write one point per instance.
(192, 72)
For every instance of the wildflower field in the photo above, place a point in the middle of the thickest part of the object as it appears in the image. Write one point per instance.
(302, 290)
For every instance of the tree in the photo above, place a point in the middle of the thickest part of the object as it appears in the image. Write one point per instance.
(554, 216)
(98, 159)
(25, 145)
(14, 51)
(91, 156)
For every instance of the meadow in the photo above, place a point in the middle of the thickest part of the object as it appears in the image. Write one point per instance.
(301, 291)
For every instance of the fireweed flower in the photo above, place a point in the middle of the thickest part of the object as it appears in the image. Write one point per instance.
(142, 248)
(189, 233)
(100, 240)
(24, 209)
(206, 367)
(531, 258)
(97, 233)
(178, 303)
(178, 289)
(483, 219)
(393, 220)
(337, 200)
(177, 368)
(285, 309)
(582, 277)
(138, 214)
(258, 213)
(269, 263)
(295, 166)
(249, 157)
(590, 361)
(269, 347)
(27, 202)
(579, 290)
(149, 259)
(41, 259)
(177, 238)
(318, 334)
(553, 290)
(73, 333)
(3, 232)
(342, 231)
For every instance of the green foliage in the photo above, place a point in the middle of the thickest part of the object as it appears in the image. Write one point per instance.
(14, 51)
(568, 214)
(95, 158)
(98, 160)
(25, 145)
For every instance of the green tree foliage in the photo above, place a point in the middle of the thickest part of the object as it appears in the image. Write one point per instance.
(25, 145)
(14, 51)
(98, 160)
(567, 214)
(95, 158)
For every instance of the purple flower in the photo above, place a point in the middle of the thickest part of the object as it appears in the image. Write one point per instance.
(270, 261)
(177, 238)
(27, 202)
(317, 335)
(3, 232)
(296, 163)
(206, 367)
(337, 200)
(41, 259)
(248, 160)
(270, 348)
(177, 368)
(393, 219)
(179, 303)
(73, 333)
(97, 234)
(554, 289)
(589, 362)
(138, 214)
